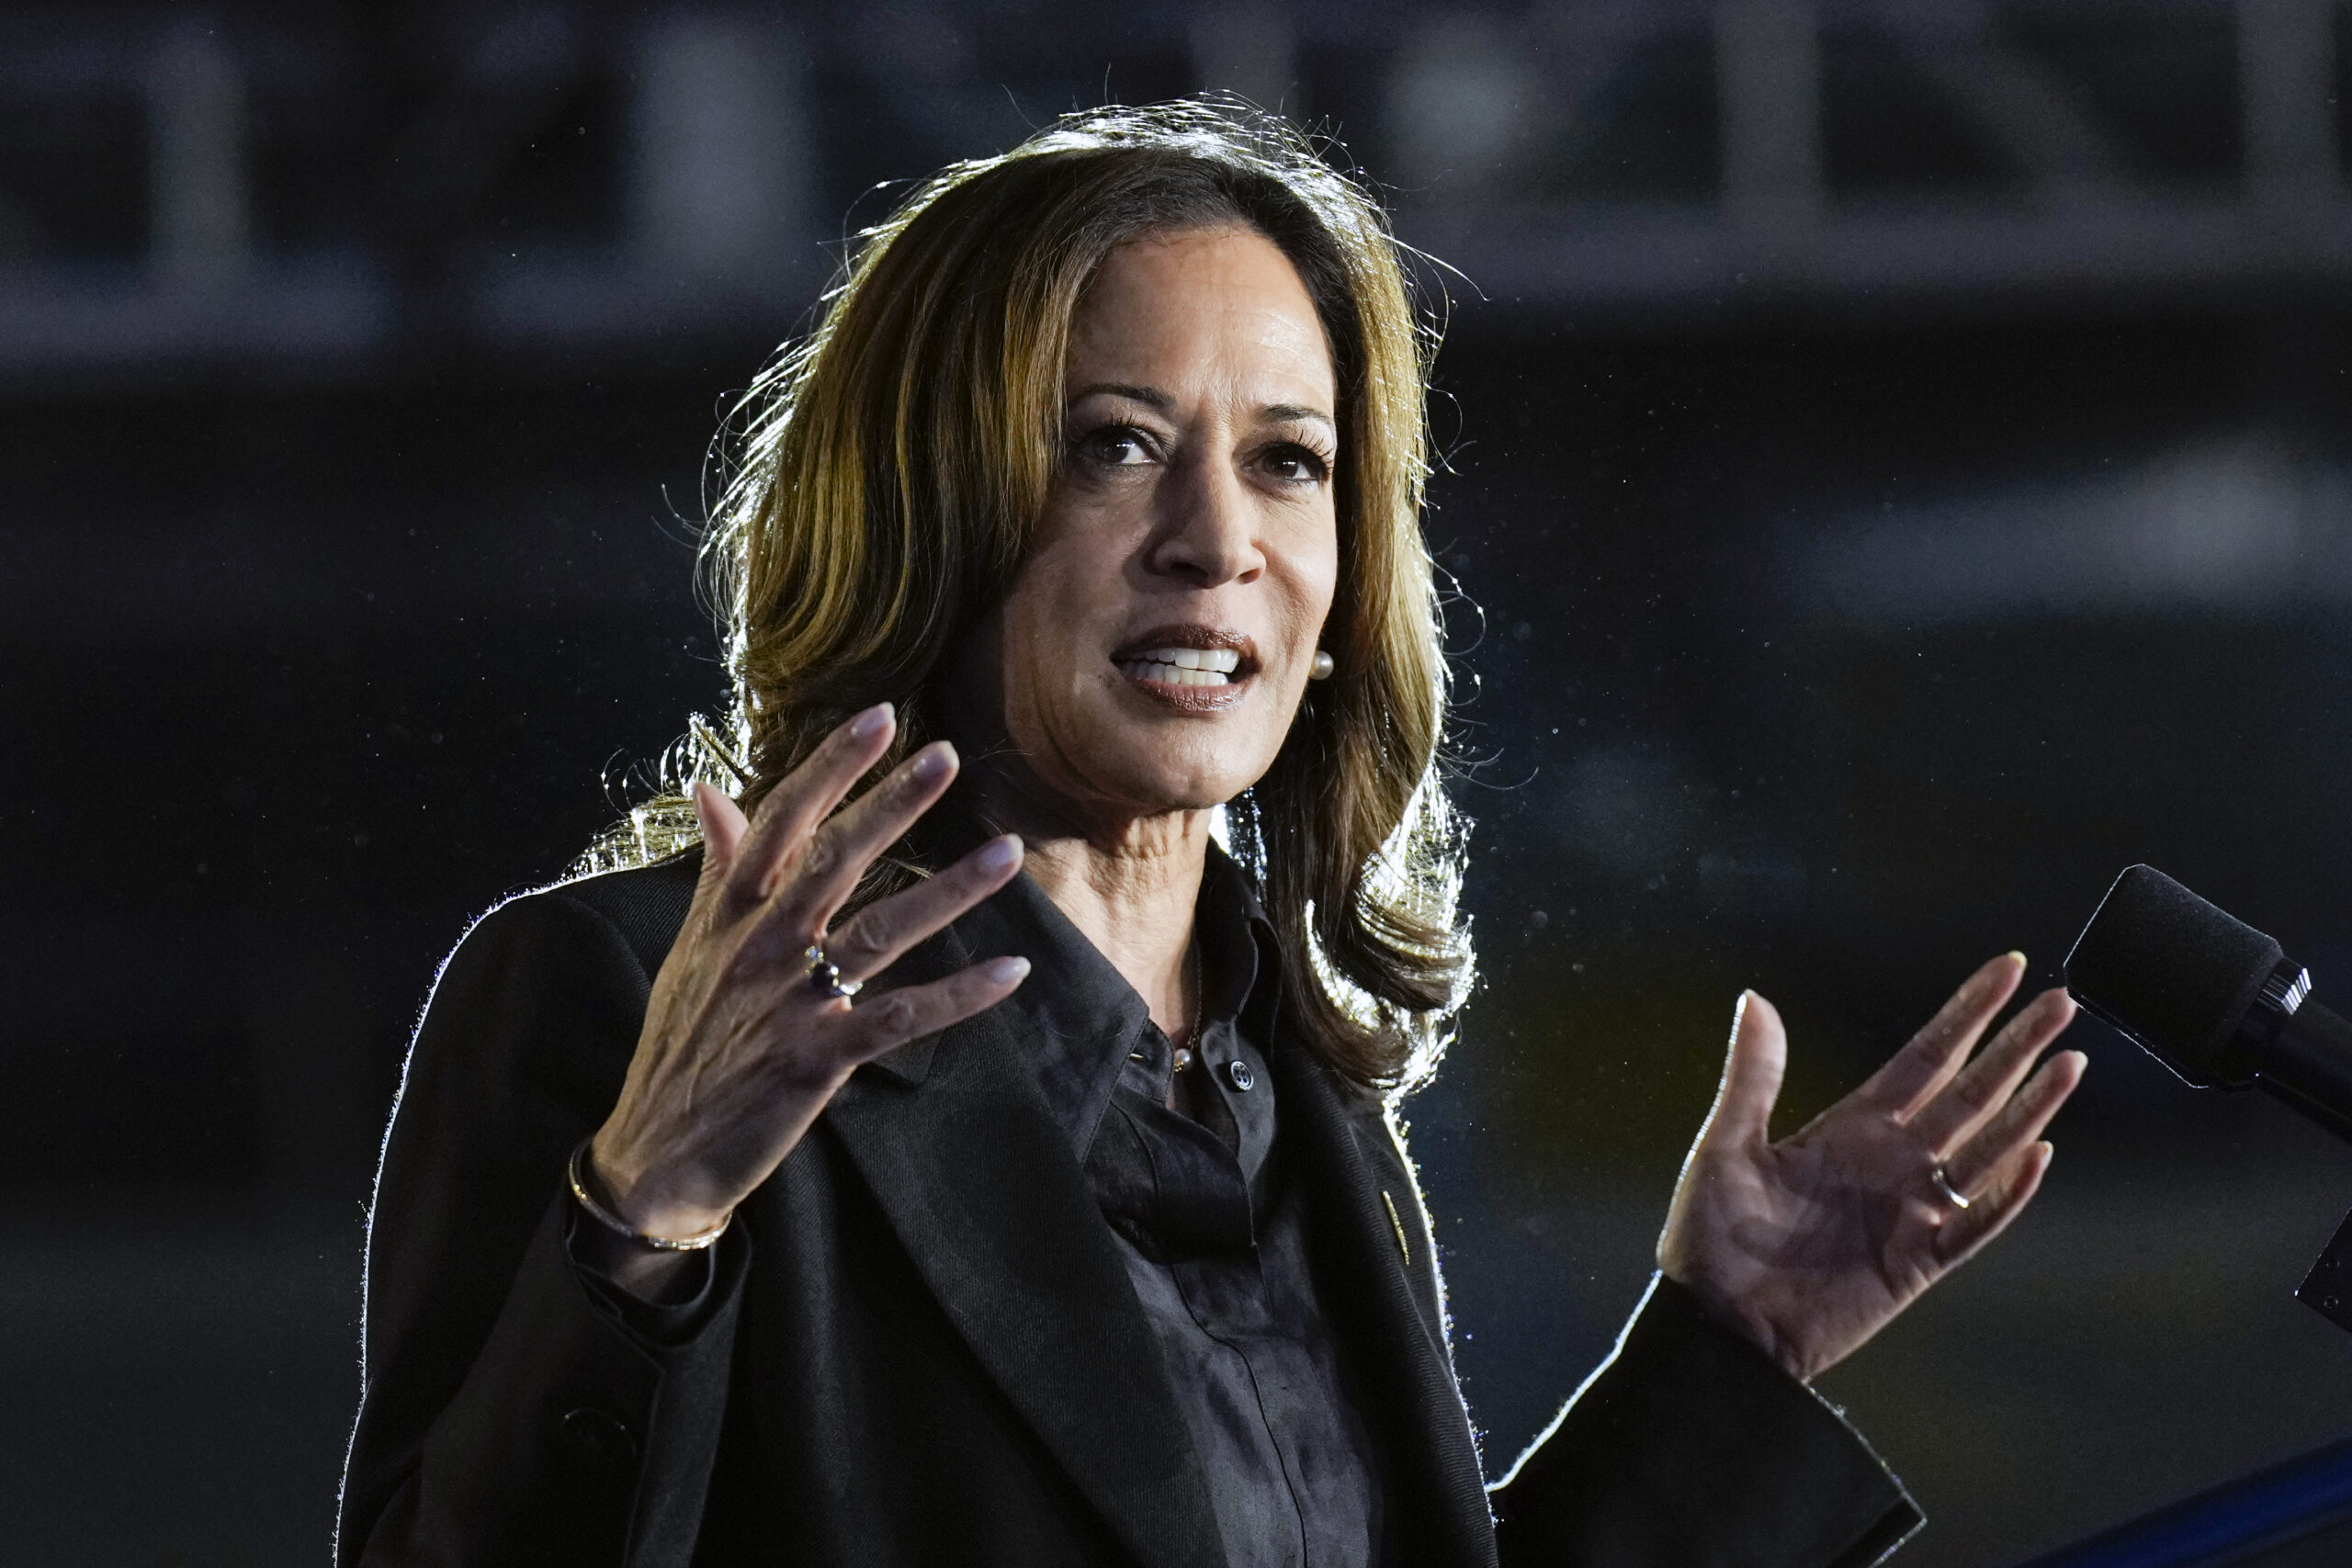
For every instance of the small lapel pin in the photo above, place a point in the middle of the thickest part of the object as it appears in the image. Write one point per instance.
(1395, 1219)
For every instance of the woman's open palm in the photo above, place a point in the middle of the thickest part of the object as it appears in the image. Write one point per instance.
(740, 1050)
(1810, 1245)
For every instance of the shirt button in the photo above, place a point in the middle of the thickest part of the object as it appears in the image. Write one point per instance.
(1237, 1073)
(600, 1437)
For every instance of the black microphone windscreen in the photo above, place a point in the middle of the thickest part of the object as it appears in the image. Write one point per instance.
(2174, 973)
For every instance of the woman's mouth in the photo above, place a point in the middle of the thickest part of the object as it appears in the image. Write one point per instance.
(1195, 669)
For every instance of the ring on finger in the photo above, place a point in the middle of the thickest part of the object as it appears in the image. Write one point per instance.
(1942, 1183)
(826, 976)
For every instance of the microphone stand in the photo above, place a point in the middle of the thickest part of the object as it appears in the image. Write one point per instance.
(2306, 1061)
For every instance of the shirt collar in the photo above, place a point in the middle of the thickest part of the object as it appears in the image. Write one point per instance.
(1076, 1013)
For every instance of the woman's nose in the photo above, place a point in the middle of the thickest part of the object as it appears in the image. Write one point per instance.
(1208, 531)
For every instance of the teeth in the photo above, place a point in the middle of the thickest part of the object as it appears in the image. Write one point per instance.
(1224, 661)
(1183, 666)
(1156, 666)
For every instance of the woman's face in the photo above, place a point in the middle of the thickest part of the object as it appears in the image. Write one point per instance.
(1155, 645)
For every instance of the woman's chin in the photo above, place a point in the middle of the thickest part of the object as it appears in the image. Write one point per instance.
(1175, 785)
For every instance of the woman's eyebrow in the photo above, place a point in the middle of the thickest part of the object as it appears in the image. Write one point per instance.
(1150, 396)
(1297, 411)
(1160, 402)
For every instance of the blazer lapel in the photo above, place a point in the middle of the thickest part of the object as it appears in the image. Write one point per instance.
(1394, 1306)
(964, 1157)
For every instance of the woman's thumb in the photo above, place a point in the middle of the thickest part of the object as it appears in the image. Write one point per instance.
(1757, 1056)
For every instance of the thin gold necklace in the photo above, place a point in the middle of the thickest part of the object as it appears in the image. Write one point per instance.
(1183, 1051)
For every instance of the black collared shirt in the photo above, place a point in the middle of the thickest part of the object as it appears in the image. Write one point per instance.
(1201, 1209)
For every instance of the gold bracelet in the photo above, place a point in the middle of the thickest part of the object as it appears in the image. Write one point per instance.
(614, 1222)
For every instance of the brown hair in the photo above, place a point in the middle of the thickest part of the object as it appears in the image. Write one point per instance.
(889, 466)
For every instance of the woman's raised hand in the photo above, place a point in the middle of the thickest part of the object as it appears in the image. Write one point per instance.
(740, 1049)
(1810, 1245)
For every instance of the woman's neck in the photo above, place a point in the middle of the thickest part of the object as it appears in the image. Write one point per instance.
(1130, 886)
(1133, 901)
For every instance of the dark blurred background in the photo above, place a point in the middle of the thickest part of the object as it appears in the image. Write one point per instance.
(1898, 475)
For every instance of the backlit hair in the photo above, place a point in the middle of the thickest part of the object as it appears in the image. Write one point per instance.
(887, 471)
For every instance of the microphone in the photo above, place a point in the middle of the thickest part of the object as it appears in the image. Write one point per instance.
(2223, 1006)
(2213, 999)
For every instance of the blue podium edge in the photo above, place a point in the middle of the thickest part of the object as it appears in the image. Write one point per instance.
(2271, 1507)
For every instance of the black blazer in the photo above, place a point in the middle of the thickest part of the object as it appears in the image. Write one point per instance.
(919, 1347)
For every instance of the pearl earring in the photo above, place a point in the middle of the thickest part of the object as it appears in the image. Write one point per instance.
(1322, 667)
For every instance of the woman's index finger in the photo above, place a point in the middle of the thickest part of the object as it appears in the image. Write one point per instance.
(804, 797)
(846, 844)
(1930, 1058)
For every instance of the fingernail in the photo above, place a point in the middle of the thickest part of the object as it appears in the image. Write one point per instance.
(2013, 953)
(931, 762)
(871, 723)
(999, 855)
(1005, 971)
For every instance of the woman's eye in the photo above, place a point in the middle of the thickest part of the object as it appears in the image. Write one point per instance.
(1115, 446)
(1295, 464)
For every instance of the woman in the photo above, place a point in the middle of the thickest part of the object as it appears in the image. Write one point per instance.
(990, 1170)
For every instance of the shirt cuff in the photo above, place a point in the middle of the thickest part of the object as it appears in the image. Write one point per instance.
(1692, 1445)
(686, 1300)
